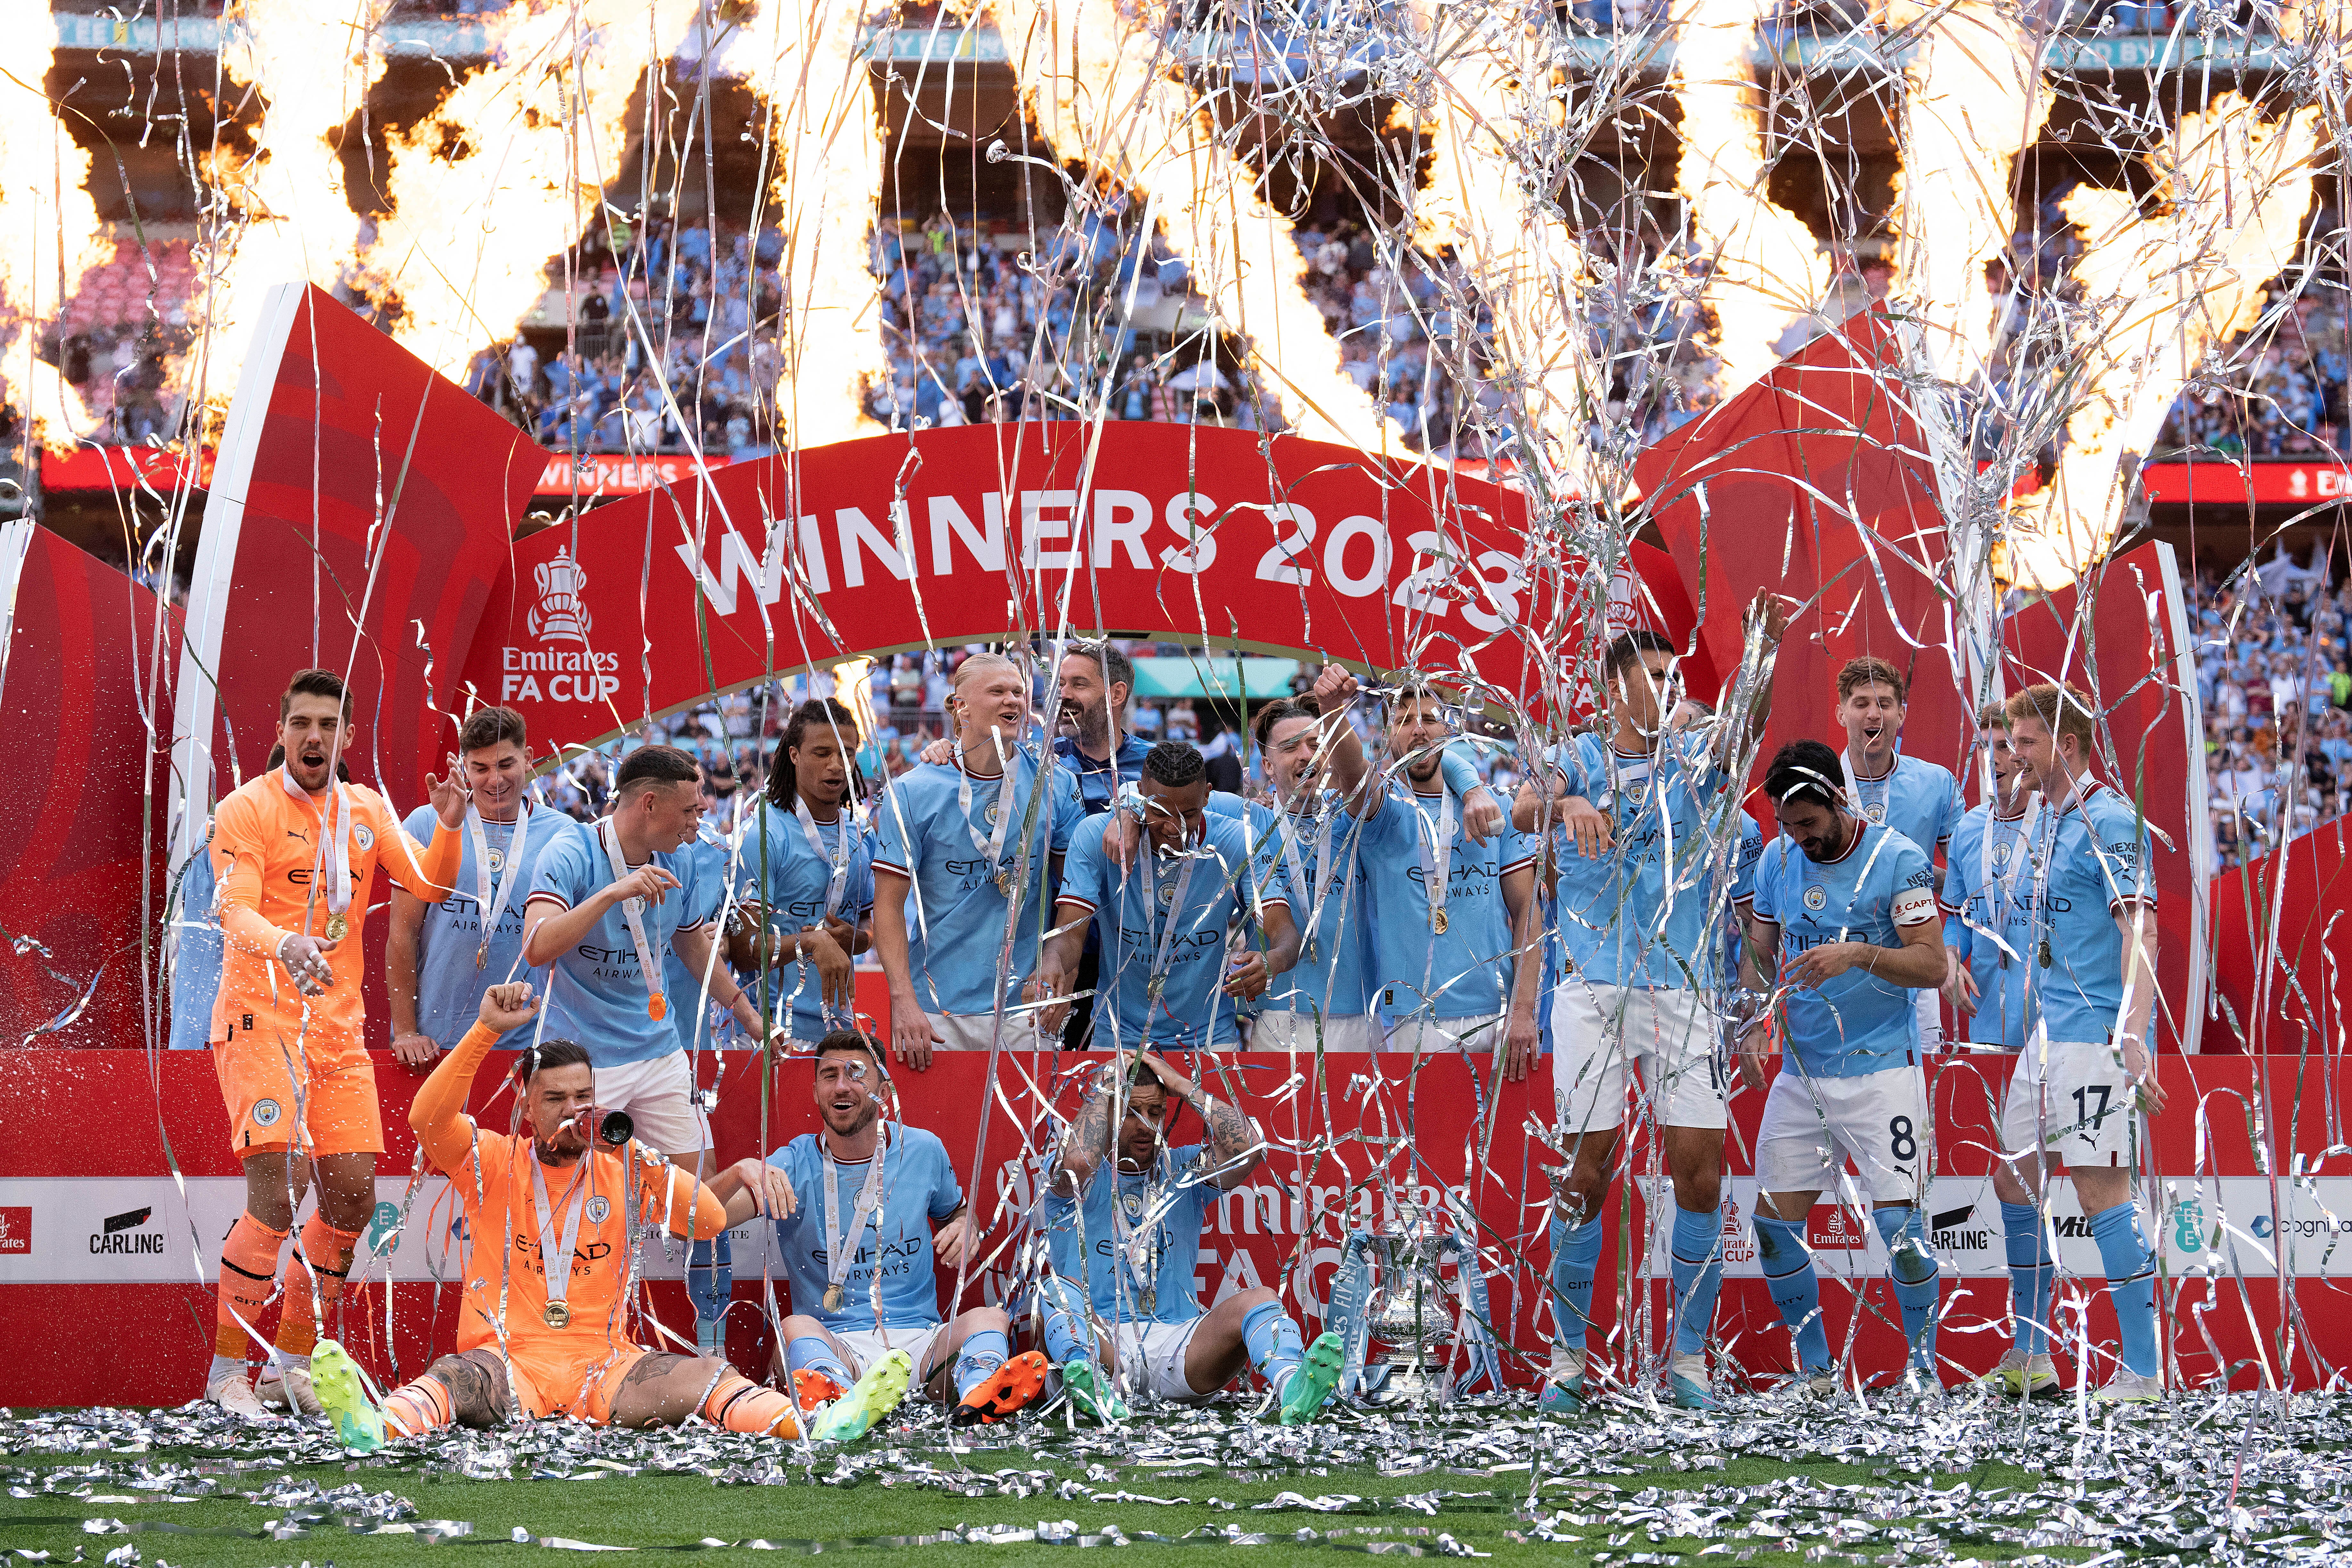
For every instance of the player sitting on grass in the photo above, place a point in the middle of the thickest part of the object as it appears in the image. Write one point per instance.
(530, 1344)
(858, 1255)
(1133, 1235)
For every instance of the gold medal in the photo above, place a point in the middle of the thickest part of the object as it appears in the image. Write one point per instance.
(832, 1297)
(1004, 883)
(1148, 1301)
(337, 928)
(1437, 921)
(656, 1007)
(1312, 955)
(558, 1315)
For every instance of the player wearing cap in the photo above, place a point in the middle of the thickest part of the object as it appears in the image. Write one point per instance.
(1650, 850)
(953, 845)
(1845, 919)
(540, 1344)
(2085, 1075)
(1457, 949)
(438, 958)
(1166, 982)
(294, 856)
(881, 1202)
(1917, 799)
(1132, 1234)
(610, 901)
(1988, 897)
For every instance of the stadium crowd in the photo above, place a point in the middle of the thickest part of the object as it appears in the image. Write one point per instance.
(2274, 673)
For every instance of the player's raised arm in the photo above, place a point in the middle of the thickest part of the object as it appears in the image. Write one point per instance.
(437, 1114)
(1085, 1142)
(428, 871)
(1237, 1147)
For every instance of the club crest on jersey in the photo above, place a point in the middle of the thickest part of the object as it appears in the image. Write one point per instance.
(498, 859)
(362, 835)
(1817, 899)
(1166, 893)
(598, 1207)
(2000, 853)
(1133, 1204)
(266, 1112)
(1876, 811)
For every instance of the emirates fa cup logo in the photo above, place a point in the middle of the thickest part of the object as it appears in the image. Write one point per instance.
(560, 617)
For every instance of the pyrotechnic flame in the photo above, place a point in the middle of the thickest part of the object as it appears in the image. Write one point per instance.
(50, 234)
(1975, 100)
(510, 168)
(313, 63)
(1098, 88)
(2160, 292)
(1485, 202)
(1766, 268)
(806, 62)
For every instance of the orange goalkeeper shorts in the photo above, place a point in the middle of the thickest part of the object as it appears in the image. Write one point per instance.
(551, 1380)
(320, 1104)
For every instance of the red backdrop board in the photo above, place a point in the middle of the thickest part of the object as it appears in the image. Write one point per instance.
(971, 535)
(95, 1232)
(2282, 937)
(1814, 481)
(86, 654)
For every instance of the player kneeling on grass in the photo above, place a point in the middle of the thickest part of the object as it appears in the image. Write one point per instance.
(1133, 1235)
(883, 1202)
(529, 1344)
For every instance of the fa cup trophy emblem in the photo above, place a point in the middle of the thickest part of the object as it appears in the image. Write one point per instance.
(560, 617)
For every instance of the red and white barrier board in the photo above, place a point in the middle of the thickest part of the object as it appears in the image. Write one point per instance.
(107, 1256)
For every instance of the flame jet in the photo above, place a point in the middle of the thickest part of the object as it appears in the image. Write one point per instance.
(1766, 269)
(311, 63)
(1097, 88)
(2158, 291)
(511, 166)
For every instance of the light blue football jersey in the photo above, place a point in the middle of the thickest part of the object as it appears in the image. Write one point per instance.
(1857, 1023)
(782, 870)
(1662, 882)
(597, 990)
(1324, 885)
(955, 911)
(1463, 971)
(1140, 930)
(1918, 799)
(449, 984)
(918, 1191)
(1978, 911)
(707, 867)
(2089, 860)
(1085, 1242)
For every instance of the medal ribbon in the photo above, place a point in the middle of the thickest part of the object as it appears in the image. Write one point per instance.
(559, 1281)
(994, 845)
(1853, 784)
(2000, 892)
(493, 901)
(837, 882)
(333, 863)
(1317, 888)
(861, 1213)
(1437, 859)
(1164, 946)
(632, 911)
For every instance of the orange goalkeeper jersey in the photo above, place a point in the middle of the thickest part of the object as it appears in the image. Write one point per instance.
(268, 858)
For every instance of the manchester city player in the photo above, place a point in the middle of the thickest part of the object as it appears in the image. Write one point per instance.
(1846, 916)
(438, 958)
(609, 901)
(2085, 1073)
(811, 867)
(1166, 983)
(1131, 1234)
(1314, 762)
(1917, 799)
(877, 1201)
(1988, 897)
(953, 845)
(1651, 854)
(1457, 948)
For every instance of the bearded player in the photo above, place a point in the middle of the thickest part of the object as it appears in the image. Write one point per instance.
(1132, 1233)
(883, 1203)
(539, 1346)
(294, 853)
